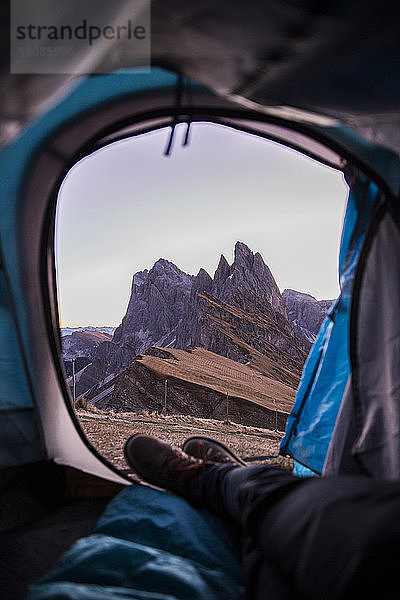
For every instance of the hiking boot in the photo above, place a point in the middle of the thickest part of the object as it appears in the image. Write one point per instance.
(166, 466)
(208, 449)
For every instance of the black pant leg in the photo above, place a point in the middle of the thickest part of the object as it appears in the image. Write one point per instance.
(330, 538)
(235, 493)
(334, 538)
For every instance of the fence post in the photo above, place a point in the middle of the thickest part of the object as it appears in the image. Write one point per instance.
(73, 383)
(165, 395)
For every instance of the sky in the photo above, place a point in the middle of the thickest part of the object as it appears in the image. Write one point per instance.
(127, 205)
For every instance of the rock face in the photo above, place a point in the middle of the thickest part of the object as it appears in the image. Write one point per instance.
(306, 312)
(158, 301)
(241, 310)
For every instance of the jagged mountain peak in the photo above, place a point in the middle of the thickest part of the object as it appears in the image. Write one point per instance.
(140, 277)
(163, 262)
(242, 302)
(245, 260)
(243, 257)
(158, 300)
(247, 283)
(242, 250)
(164, 265)
(289, 293)
(223, 270)
(259, 263)
(223, 263)
(202, 281)
(162, 268)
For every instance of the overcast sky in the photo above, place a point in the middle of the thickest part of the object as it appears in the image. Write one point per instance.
(127, 205)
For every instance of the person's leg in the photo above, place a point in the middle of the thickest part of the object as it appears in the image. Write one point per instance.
(336, 537)
(331, 538)
(200, 479)
(254, 483)
(238, 491)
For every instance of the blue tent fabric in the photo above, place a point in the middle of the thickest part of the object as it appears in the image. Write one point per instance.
(325, 375)
(148, 545)
(18, 422)
(22, 432)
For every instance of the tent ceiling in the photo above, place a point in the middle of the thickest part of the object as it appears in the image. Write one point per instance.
(335, 59)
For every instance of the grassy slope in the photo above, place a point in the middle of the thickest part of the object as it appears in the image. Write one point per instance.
(221, 374)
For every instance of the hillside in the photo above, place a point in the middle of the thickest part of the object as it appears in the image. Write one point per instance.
(79, 346)
(82, 343)
(196, 383)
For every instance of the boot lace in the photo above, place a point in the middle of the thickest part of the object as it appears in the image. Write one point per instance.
(185, 466)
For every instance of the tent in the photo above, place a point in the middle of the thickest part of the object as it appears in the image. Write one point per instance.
(319, 77)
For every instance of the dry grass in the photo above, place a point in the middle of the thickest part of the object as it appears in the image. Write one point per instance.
(81, 404)
(223, 375)
(108, 431)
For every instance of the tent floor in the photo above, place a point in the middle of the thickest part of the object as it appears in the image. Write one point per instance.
(44, 509)
(28, 553)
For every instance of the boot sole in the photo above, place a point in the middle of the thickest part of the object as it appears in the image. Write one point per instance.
(128, 459)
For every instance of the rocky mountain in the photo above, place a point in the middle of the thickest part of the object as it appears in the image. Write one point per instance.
(157, 305)
(238, 314)
(82, 343)
(306, 312)
(80, 346)
(159, 300)
(240, 311)
(80, 363)
(206, 336)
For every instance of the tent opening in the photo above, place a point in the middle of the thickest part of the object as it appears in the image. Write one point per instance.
(192, 285)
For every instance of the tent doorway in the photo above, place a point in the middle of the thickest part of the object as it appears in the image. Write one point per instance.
(170, 274)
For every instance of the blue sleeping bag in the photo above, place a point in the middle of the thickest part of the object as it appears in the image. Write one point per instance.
(148, 545)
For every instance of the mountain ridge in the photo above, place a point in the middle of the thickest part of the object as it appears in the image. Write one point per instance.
(306, 312)
(238, 313)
